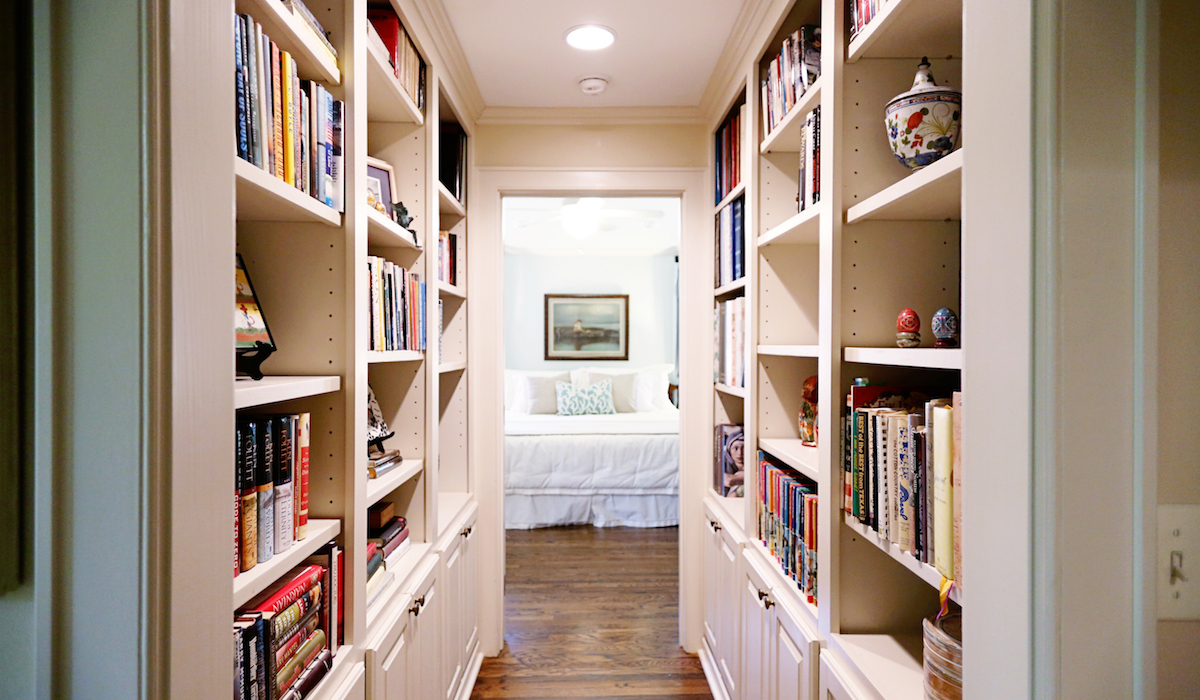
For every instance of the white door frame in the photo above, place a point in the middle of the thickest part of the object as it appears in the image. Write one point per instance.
(485, 290)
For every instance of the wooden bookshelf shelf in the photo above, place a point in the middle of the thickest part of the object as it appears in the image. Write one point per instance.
(386, 99)
(795, 454)
(248, 393)
(891, 665)
(923, 358)
(264, 197)
(802, 229)
(448, 204)
(383, 232)
(449, 290)
(378, 488)
(401, 570)
(786, 135)
(933, 193)
(451, 504)
(293, 34)
(737, 391)
(733, 194)
(789, 350)
(250, 583)
(446, 367)
(924, 571)
(731, 288)
(381, 356)
(782, 585)
(911, 29)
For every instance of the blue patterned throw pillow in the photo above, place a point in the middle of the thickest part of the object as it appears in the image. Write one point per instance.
(584, 401)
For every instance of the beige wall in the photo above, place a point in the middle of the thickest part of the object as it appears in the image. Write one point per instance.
(587, 146)
(1179, 311)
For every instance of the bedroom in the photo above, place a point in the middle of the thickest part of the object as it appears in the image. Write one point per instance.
(591, 349)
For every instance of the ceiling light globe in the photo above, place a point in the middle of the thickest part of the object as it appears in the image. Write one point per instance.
(591, 37)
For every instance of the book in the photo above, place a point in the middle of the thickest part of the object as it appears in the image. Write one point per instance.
(303, 442)
(956, 476)
(299, 9)
(396, 554)
(729, 460)
(310, 677)
(293, 585)
(391, 545)
(380, 514)
(389, 532)
(277, 159)
(283, 439)
(374, 562)
(943, 498)
(265, 483)
(245, 458)
(290, 671)
(329, 559)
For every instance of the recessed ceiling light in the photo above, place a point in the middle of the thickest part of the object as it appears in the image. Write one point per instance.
(591, 37)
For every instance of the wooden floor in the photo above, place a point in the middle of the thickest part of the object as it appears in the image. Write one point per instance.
(592, 613)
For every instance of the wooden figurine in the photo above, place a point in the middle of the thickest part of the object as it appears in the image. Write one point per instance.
(908, 329)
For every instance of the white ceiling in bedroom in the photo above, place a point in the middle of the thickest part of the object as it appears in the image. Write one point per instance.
(591, 225)
(664, 53)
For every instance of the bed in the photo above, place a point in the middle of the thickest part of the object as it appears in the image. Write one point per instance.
(619, 469)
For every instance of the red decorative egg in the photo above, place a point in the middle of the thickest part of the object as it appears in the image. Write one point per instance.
(908, 322)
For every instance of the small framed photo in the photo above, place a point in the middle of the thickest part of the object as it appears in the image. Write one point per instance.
(252, 338)
(587, 326)
(381, 186)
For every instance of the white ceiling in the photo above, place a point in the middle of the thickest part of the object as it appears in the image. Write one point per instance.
(622, 225)
(664, 54)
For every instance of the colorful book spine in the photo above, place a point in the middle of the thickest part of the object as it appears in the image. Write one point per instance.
(303, 443)
(265, 482)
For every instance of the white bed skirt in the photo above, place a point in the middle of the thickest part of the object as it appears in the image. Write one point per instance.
(527, 511)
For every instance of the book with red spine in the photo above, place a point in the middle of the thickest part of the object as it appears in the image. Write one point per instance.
(303, 440)
(297, 582)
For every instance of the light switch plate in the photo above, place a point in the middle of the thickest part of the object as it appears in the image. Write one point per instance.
(1178, 531)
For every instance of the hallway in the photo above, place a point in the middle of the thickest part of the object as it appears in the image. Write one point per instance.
(592, 613)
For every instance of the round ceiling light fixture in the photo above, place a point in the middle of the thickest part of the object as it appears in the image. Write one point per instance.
(593, 85)
(590, 37)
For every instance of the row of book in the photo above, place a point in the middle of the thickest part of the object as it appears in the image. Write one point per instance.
(790, 74)
(903, 471)
(861, 14)
(731, 242)
(271, 465)
(729, 153)
(787, 522)
(730, 328)
(308, 19)
(809, 180)
(397, 306)
(447, 255)
(291, 128)
(396, 43)
(452, 160)
(286, 637)
(388, 541)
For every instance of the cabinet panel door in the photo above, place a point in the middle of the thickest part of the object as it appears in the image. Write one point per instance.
(425, 652)
(729, 648)
(451, 663)
(714, 591)
(470, 595)
(792, 653)
(394, 670)
(755, 594)
(833, 681)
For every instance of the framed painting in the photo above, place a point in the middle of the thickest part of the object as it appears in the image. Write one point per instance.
(381, 186)
(252, 338)
(587, 327)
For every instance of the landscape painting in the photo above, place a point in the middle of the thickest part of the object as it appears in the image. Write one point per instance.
(587, 326)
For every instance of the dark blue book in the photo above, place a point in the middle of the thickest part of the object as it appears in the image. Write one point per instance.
(242, 121)
(739, 244)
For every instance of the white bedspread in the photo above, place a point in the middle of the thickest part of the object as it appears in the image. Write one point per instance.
(643, 423)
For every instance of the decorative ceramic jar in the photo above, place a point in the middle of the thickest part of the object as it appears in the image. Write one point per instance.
(908, 329)
(945, 328)
(923, 124)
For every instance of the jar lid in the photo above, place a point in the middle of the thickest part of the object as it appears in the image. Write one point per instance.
(923, 83)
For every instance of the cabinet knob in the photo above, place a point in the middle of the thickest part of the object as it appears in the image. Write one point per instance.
(417, 605)
(715, 525)
(762, 595)
(768, 603)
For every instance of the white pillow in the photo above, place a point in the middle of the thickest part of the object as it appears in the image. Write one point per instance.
(536, 394)
(624, 397)
(514, 385)
(650, 385)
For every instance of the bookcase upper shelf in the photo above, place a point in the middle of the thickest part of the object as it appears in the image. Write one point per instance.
(733, 194)
(381, 356)
(785, 137)
(911, 29)
(293, 35)
(927, 573)
(924, 358)
(248, 393)
(378, 488)
(790, 350)
(448, 204)
(387, 100)
(794, 453)
(804, 228)
(735, 286)
(933, 193)
(446, 289)
(452, 367)
(263, 197)
(382, 231)
(739, 392)
(250, 583)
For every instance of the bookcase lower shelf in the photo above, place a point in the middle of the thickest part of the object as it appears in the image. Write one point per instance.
(378, 488)
(401, 571)
(794, 453)
(450, 504)
(891, 664)
(248, 393)
(250, 583)
(927, 573)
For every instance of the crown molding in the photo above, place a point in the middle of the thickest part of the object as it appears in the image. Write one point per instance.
(591, 115)
(728, 74)
(457, 71)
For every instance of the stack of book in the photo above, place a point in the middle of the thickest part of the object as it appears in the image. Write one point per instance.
(729, 153)
(271, 465)
(730, 329)
(731, 243)
(308, 19)
(291, 128)
(388, 542)
(452, 159)
(397, 306)
(787, 522)
(902, 471)
(398, 46)
(810, 160)
(285, 639)
(448, 257)
(380, 462)
(861, 14)
(790, 74)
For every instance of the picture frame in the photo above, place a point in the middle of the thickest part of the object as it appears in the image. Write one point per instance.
(586, 327)
(253, 341)
(381, 186)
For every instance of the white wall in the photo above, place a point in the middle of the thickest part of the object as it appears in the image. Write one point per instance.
(648, 280)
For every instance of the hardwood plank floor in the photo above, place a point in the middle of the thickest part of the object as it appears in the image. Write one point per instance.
(592, 613)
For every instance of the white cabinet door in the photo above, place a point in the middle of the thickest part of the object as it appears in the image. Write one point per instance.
(451, 661)
(395, 668)
(756, 602)
(729, 650)
(793, 648)
(470, 594)
(714, 588)
(834, 682)
(425, 651)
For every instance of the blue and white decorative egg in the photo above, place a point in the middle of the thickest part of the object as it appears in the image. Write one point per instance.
(945, 328)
